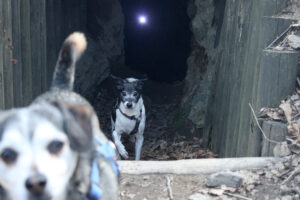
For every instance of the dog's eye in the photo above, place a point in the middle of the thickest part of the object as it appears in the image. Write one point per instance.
(135, 94)
(123, 93)
(55, 147)
(9, 156)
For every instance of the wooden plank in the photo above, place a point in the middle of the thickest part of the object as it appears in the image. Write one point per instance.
(246, 31)
(194, 166)
(275, 131)
(279, 71)
(51, 40)
(238, 81)
(2, 46)
(217, 130)
(8, 66)
(17, 54)
(260, 37)
(59, 17)
(35, 47)
(43, 45)
(26, 52)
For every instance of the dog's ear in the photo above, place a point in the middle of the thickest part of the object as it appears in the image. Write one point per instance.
(140, 83)
(119, 82)
(77, 124)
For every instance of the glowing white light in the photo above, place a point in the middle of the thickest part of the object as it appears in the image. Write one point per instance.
(142, 19)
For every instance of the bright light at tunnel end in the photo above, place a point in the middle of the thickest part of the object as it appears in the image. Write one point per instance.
(142, 19)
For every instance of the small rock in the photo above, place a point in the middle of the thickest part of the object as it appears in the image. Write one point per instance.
(254, 192)
(281, 150)
(284, 188)
(249, 188)
(287, 197)
(275, 172)
(295, 162)
(280, 166)
(269, 175)
(297, 179)
(131, 196)
(229, 179)
(294, 41)
(199, 196)
(260, 172)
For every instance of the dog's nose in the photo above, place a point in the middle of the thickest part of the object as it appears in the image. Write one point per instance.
(129, 105)
(36, 184)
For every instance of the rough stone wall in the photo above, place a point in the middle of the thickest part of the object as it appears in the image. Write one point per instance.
(102, 23)
(206, 20)
(105, 24)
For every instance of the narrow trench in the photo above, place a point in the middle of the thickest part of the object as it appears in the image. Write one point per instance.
(157, 49)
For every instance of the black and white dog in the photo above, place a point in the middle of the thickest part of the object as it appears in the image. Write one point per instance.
(129, 115)
(49, 150)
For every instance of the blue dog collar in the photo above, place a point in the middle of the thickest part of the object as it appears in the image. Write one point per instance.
(103, 149)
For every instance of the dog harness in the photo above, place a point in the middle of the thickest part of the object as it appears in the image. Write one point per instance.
(103, 149)
(136, 119)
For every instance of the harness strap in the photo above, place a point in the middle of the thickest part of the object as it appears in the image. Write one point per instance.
(137, 120)
(105, 149)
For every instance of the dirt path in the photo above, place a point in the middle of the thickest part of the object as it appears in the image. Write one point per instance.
(161, 101)
(154, 187)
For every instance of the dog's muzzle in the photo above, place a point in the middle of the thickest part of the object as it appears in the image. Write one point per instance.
(36, 185)
(129, 105)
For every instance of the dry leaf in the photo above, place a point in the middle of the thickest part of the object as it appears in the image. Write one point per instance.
(203, 191)
(274, 115)
(216, 192)
(286, 107)
(228, 189)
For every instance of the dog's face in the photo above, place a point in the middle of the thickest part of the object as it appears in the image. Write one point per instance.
(130, 91)
(37, 157)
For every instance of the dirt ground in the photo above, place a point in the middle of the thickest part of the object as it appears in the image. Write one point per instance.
(160, 144)
(161, 100)
(257, 185)
(154, 187)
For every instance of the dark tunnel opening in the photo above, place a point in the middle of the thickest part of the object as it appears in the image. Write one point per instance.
(157, 38)
(120, 44)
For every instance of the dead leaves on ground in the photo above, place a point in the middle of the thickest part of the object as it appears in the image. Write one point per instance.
(287, 112)
(178, 148)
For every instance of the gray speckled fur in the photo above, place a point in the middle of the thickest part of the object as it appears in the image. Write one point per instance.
(41, 107)
(109, 180)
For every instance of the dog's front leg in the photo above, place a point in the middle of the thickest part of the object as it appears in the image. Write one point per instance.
(121, 149)
(138, 145)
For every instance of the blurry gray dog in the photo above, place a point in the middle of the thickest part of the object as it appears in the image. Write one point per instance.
(48, 149)
(129, 115)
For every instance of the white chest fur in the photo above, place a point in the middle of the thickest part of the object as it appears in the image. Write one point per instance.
(125, 125)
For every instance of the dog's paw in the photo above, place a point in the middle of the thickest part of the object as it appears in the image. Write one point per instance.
(123, 153)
